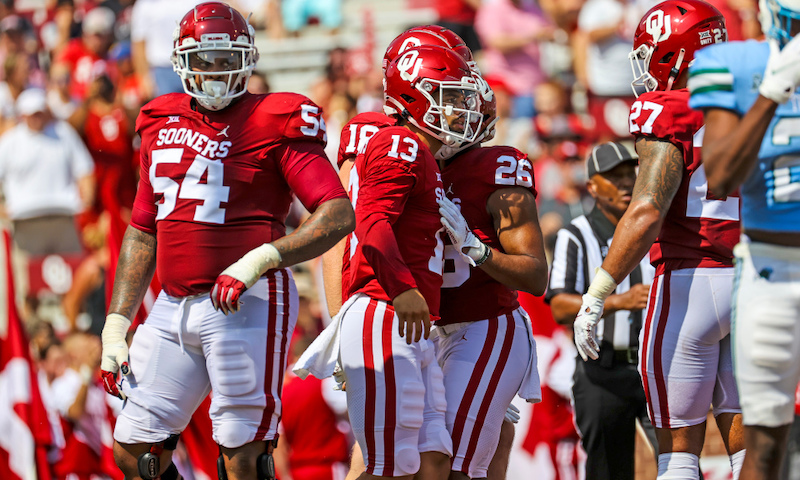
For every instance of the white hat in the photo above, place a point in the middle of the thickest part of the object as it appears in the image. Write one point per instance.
(31, 101)
(99, 20)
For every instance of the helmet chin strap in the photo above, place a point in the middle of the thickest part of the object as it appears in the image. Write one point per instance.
(673, 74)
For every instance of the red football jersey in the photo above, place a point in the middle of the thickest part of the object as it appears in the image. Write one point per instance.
(700, 229)
(397, 245)
(357, 132)
(215, 186)
(355, 135)
(470, 294)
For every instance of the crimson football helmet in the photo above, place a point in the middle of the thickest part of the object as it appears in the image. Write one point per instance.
(434, 89)
(444, 37)
(214, 54)
(668, 36)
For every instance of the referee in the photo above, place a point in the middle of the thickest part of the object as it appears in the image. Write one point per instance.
(608, 391)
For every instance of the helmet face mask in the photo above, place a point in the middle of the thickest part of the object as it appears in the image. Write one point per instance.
(779, 18)
(667, 38)
(214, 54)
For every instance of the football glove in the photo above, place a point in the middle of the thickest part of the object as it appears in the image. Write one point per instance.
(241, 275)
(782, 74)
(460, 234)
(585, 327)
(115, 352)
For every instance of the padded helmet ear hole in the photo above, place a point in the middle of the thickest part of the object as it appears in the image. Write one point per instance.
(429, 118)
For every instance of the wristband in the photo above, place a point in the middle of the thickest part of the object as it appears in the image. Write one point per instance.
(486, 253)
(602, 285)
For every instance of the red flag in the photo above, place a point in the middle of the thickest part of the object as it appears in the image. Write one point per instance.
(24, 426)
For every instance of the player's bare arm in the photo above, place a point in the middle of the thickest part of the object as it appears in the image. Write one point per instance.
(135, 269)
(523, 265)
(332, 259)
(660, 175)
(731, 144)
(331, 222)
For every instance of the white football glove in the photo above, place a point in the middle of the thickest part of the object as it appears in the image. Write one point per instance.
(460, 234)
(782, 74)
(115, 352)
(512, 414)
(586, 327)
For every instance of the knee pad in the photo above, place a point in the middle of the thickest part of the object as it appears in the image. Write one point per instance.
(265, 467)
(406, 460)
(149, 463)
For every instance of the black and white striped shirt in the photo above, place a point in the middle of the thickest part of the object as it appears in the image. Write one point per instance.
(580, 248)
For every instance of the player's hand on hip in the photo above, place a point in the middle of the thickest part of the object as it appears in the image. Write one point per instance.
(472, 250)
(782, 74)
(115, 352)
(241, 275)
(585, 327)
(413, 315)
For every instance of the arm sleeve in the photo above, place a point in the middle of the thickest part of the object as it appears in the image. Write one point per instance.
(711, 81)
(383, 190)
(309, 174)
(566, 274)
(144, 211)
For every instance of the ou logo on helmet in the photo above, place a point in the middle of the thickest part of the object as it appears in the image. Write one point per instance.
(409, 65)
(657, 22)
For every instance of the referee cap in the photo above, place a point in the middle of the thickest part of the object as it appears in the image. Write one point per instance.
(606, 156)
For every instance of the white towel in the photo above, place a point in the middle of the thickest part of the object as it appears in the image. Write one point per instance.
(531, 389)
(320, 357)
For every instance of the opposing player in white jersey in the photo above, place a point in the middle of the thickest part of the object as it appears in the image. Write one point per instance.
(747, 91)
(685, 357)
(219, 170)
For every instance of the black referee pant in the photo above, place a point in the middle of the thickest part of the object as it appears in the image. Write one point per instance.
(608, 400)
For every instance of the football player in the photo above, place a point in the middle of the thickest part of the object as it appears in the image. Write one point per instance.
(219, 167)
(752, 141)
(685, 347)
(394, 384)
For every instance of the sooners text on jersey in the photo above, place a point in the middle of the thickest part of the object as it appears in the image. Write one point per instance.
(700, 229)
(469, 294)
(397, 179)
(215, 186)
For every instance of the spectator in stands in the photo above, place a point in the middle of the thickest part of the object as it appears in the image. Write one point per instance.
(297, 13)
(59, 100)
(459, 16)
(601, 47)
(129, 85)
(82, 404)
(510, 31)
(152, 25)
(46, 175)
(86, 56)
(258, 83)
(16, 70)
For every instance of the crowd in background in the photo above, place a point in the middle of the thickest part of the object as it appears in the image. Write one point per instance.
(74, 74)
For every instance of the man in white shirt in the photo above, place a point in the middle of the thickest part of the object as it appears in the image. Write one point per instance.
(46, 178)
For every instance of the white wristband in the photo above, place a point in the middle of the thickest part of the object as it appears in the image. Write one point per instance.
(602, 285)
(254, 263)
(115, 328)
